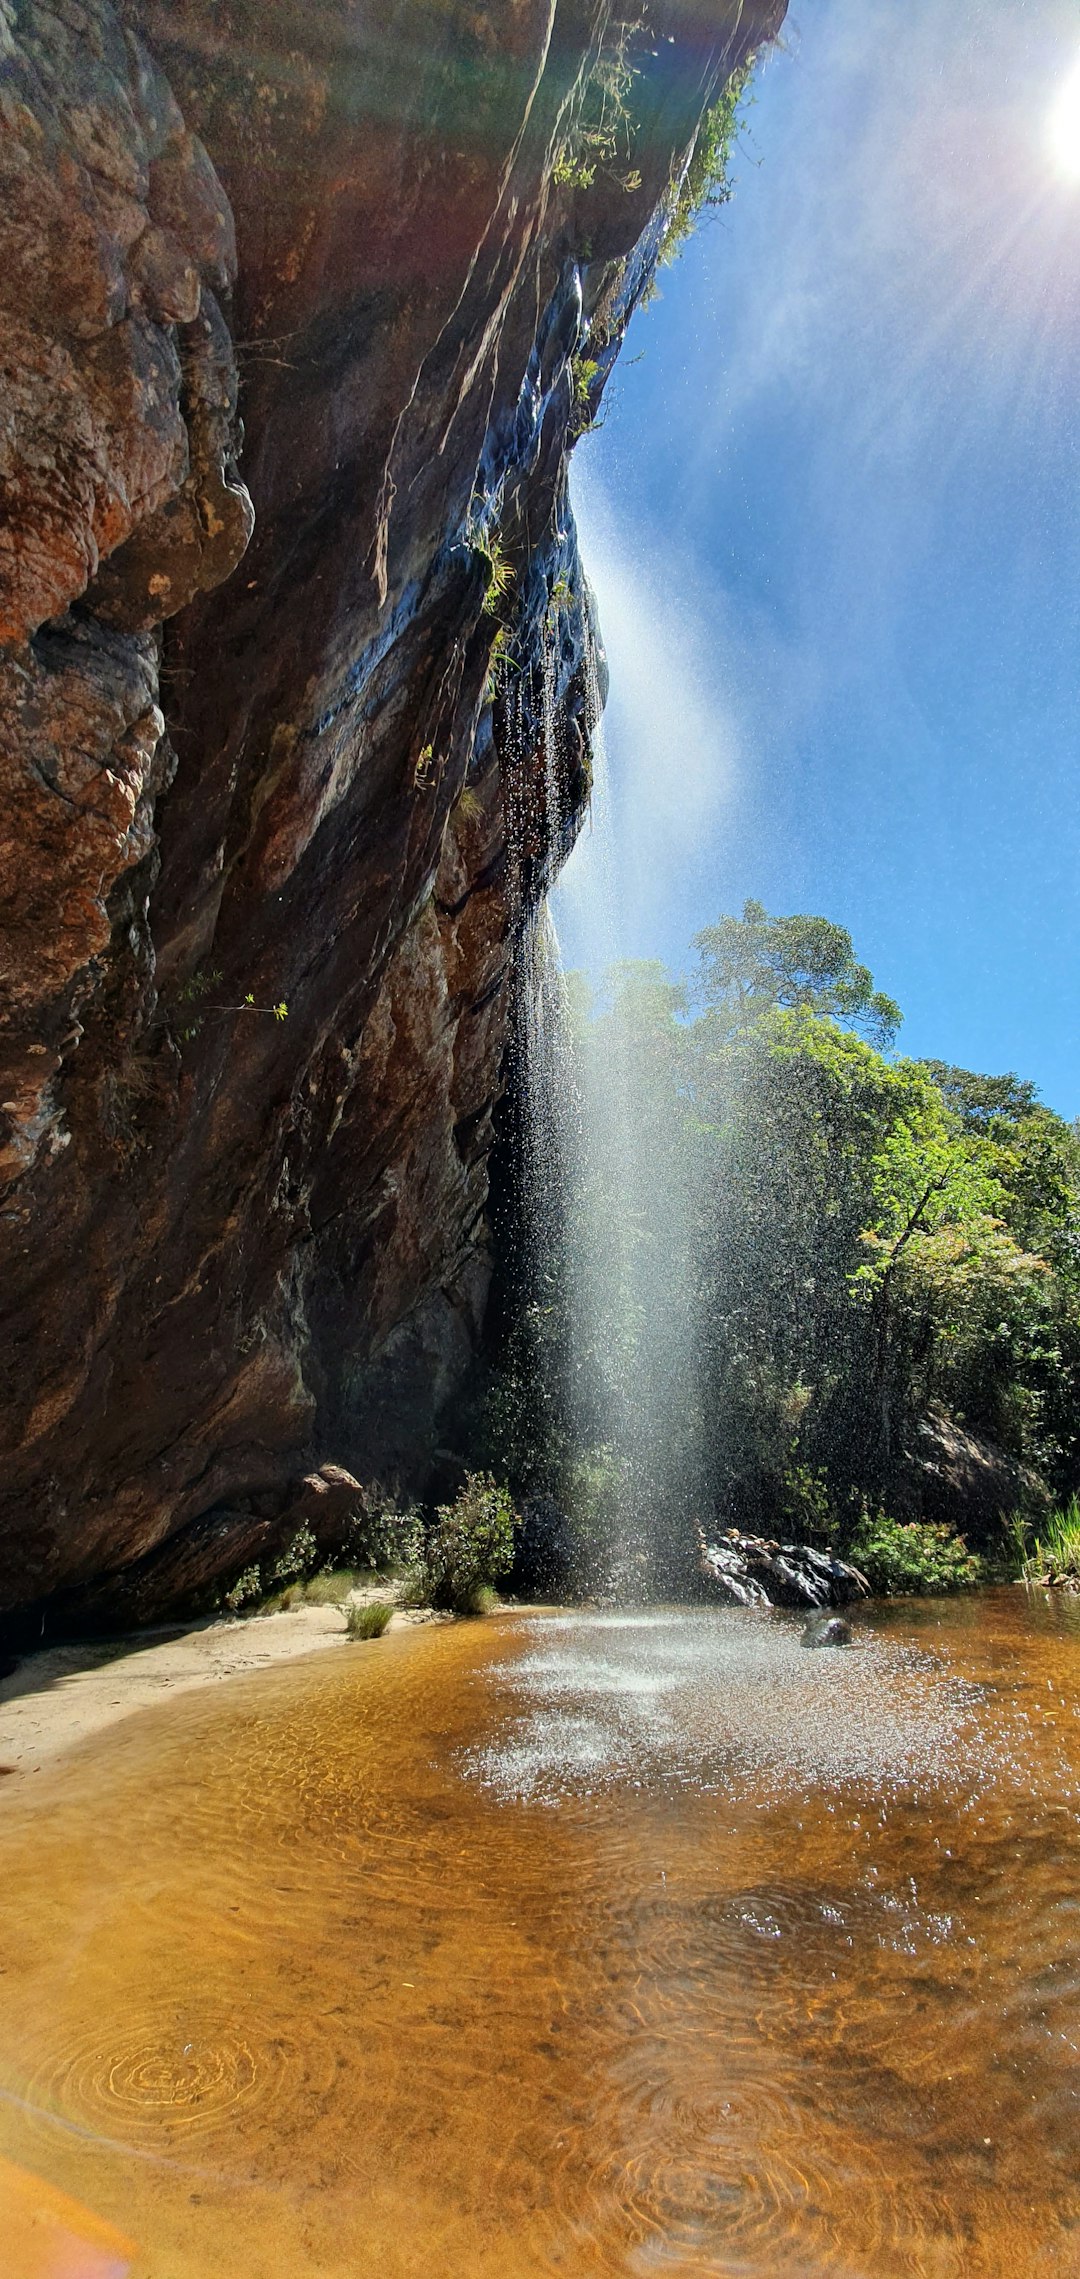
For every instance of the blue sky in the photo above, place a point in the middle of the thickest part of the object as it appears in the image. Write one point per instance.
(833, 521)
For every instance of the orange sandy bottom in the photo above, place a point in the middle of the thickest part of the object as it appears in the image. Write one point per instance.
(533, 1947)
(48, 2236)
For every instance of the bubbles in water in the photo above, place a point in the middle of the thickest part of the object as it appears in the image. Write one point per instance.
(716, 1701)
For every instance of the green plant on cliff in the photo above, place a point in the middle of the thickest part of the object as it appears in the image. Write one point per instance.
(469, 1546)
(499, 581)
(560, 599)
(583, 371)
(193, 994)
(707, 181)
(500, 571)
(601, 137)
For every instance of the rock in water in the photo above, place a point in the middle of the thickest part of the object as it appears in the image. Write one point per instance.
(754, 1570)
(827, 1630)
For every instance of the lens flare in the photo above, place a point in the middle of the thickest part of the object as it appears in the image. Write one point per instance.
(1064, 126)
(48, 2236)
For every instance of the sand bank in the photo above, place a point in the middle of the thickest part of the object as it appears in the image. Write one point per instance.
(65, 1694)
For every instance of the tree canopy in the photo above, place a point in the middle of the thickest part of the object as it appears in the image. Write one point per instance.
(786, 1254)
(748, 964)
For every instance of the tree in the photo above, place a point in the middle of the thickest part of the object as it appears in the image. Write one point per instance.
(780, 1250)
(747, 964)
(981, 1101)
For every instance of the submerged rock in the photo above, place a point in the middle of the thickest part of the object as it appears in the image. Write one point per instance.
(754, 1570)
(827, 1630)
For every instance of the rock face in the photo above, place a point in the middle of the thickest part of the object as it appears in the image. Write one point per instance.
(326, 767)
(752, 1570)
(955, 1476)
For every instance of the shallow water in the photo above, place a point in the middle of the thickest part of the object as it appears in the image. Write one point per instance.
(571, 1944)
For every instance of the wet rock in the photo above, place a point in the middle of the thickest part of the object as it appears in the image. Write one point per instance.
(754, 1570)
(827, 1630)
(232, 1242)
(544, 1550)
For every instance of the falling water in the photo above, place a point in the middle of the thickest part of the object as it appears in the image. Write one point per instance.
(603, 1199)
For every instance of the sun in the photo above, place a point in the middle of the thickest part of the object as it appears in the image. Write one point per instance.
(1064, 126)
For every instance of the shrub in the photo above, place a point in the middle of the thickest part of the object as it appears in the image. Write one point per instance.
(382, 1533)
(1055, 1557)
(298, 1558)
(470, 1545)
(914, 1556)
(247, 1586)
(707, 181)
(805, 1507)
(368, 1621)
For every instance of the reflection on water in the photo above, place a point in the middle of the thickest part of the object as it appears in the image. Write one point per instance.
(45, 2236)
(568, 1945)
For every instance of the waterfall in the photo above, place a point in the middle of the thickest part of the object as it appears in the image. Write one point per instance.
(605, 1346)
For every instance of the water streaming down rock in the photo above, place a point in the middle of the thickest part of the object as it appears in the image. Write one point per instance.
(602, 1199)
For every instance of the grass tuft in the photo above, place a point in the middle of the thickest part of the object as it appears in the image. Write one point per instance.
(368, 1621)
(1055, 1558)
(331, 1587)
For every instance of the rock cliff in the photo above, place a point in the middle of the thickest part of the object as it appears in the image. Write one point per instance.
(302, 310)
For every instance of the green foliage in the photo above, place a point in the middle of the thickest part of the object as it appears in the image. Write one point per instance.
(246, 1588)
(902, 1558)
(583, 371)
(470, 1545)
(500, 664)
(368, 1621)
(499, 581)
(806, 1512)
(382, 1532)
(193, 994)
(707, 181)
(500, 570)
(600, 139)
(1055, 1554)
(298, 1558)
(981, 1103)
(748, 964)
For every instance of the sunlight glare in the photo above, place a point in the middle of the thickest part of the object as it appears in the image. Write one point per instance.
(1064, 126)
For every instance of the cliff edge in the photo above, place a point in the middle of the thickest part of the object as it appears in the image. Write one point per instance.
(303, 308)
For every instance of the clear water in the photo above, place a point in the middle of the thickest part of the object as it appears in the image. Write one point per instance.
(564, 1945)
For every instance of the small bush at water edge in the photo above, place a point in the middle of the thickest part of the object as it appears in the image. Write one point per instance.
(1055, 1554)
(470, 1545)
(915, 1556)
(368, 1621)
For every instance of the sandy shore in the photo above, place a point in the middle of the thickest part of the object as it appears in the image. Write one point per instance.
(62, 1696)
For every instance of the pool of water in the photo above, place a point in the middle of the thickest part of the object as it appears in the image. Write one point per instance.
(567, 1944)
